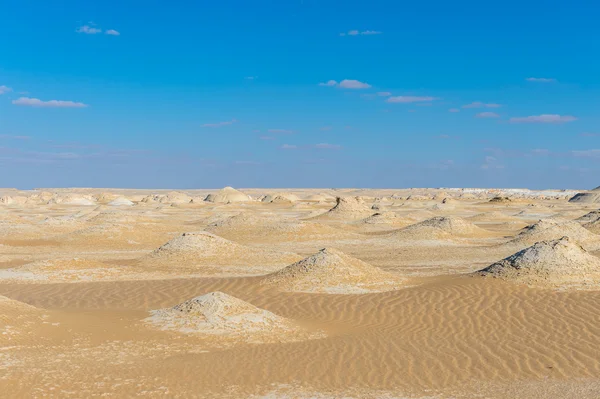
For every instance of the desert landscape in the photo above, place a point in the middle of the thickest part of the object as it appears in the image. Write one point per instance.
(300, 293)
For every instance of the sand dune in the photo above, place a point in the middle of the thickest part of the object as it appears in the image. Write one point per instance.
(331, 271)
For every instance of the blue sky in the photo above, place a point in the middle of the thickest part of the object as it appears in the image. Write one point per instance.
(299, 93)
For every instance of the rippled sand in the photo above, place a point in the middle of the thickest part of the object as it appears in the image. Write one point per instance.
(444, 333)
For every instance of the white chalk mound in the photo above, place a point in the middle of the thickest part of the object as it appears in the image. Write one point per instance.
(205, 253)
(561, 263)
(348, 208)
(217, 313)
(331, 271)
(550, 229)
(120, 201)
(227, 195)
(440, 227)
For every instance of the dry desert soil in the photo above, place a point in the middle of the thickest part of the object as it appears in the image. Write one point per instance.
(299, 293)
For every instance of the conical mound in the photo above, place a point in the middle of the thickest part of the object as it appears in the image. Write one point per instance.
(383, 218)
(280, 198)
(222, 315)
(18, 322)
(549, 229)
(440, 227)
(250, 228)
(549, 264)
(331, 271)
(120, 201)
(227, 195)
(348, 208)
(205, 253)
(589, 217)
(592, 197)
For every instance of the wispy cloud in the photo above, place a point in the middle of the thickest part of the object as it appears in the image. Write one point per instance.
(541, 80)
(220, 124)
(280, 131)
(113, 32)
(267, 138)
(13, 137)
(327, 146)
(491, 163)
(248, 163)
(454, 110)
(595, 153)
(289, 147)
(587, 134)
(356, 32)
(346, 84)
(544, 118)
(88, 30)
(487, 115)
(384, 93)
(251, 77)
(325, 128)
(479, 104)
(5, 89)
(410, 99)
(36, 102)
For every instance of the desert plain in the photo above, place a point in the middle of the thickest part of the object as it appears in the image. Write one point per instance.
(300, 293)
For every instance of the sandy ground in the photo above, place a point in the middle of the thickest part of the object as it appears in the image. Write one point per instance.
(122, 301)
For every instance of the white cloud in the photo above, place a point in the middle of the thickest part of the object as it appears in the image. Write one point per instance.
(479, 104)
(487, 115)
(355, 32)
(13, 137)
(329, 83)
(491, 163)
(5, 89)
(409, 99)
(251, 77)
(454, 110)
(267, 138)
(88, 30)
(280, 131)
(353, 84)
(586, 154)
(289, 147)
(36, 102)
(113, 32)
(326, 146)
(384, 93)
(544, 118)
(541, 80)
(346, 84)
(220, 124)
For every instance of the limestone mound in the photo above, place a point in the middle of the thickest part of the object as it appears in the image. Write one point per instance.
(440, 227)
(501, 200)
(120, 201)
(226, 317)
(592, 197)
(249, 227)
(490, 217)
(589, 217)
(561, 263)
(331, 271)
(549, 229)
(175, 197)
(347, 208)
(227, 195)
(280, 198)
(383, 218)
(204, 252)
